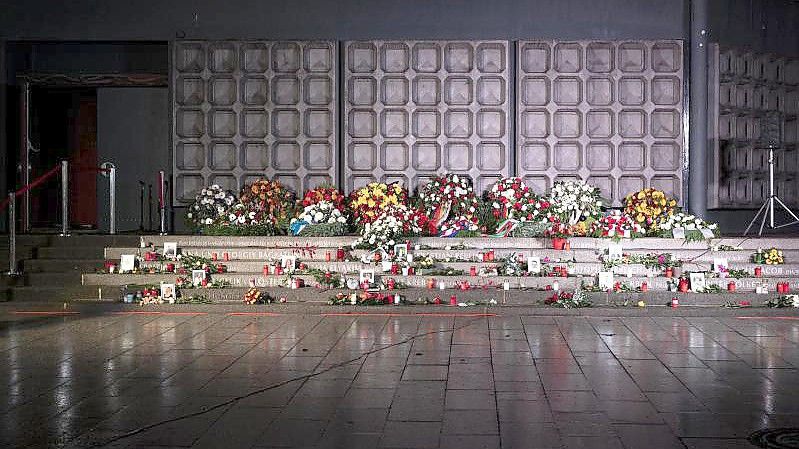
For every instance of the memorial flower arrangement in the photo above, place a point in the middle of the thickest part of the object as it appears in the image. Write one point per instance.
(691, 224)
(462, 226)
(385, 230)
(649, 207)
(325, 193)
(319, 220)
(574, 201)
(772, 256)
(449, 191)
(617, 225)
(512, 198)
(268, 199)
(559, 230)
(210, 204)
(369, 202)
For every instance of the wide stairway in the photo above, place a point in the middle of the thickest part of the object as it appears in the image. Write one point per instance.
(73, 268)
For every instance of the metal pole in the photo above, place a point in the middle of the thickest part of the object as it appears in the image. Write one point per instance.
(112, 199)
(25, 163)
(771, 186)
(698, 134)
(161, 201)
(64, 199)
(12, 235)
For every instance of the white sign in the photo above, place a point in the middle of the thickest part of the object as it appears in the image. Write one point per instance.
(289, 263)
(606, 280)
(366, 275)
(720, 263)
(533, 264)
(678, 233)
(614, 251)
(697, 282)
(170, 250)
(706, 233)
(400, 251)
(127, 263)
(168, 293)
(197, 277)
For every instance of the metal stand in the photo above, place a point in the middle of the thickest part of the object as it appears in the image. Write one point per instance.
(162, 202)
(64, 199)
(767, 209)
(12, 235)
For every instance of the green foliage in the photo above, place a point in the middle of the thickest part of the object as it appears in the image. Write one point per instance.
(324, 230)
(239, 230)
(530, 229)
(485, 216)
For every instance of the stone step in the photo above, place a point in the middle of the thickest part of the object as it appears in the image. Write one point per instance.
(648, 243)
(94, 240)
(574, 268)
(511, 298)
(568, 283)
(52, 279)
(64, 293)
(61, 265)
(78, 252)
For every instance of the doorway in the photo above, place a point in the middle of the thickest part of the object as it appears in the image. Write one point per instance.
(63, 125)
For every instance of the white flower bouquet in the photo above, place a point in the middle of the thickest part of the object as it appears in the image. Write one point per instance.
(210, 206)
(573, 201)
(393, 222)
(319, 220)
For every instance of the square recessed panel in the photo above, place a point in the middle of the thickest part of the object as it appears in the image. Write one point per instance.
(285, 90)
(255, 156)
(458, 90)
(568, 91)
(599, 123)
(426, 156)
(362, 123)
(490, 123)
(255, 90)
(226, 182)
(190, 156)
(394, 90)
(362, 57)
(318, 155)
(599, 57)
(535, 156)
(426, 123)
(630, 184)
(187, 186)
(459, 57)
(458, 156)
(362, 90)
(318, 57)
(255, 123)
(189, 122)
(567, 156)
(394, 123)
(632, 156)
(603, 183)
(538, 184)
(670, 185)
(535, 57)
(666, 57)
(286, 57)
(223, 156)
(490, 90)
(665, 156)
(222, 57)
(255, 57)
(223, 91)
(190, 91)
(566, 124)
(394, 156)
(426, 58)
(490, 156)
(394, 57)
(665, 123)
(535, 123)
(491, 58)
(426, 90)
(568, 57)
(318, 123)
(632, 91)
(599, 91)
(363, 156)
(222, 123)
(286, 156)
(632, 123)
(535, 91)
(189, 57)
(632, 57)
(286, 123)
(666, 90)
(599, 156)
(318, 90)
(458, 123)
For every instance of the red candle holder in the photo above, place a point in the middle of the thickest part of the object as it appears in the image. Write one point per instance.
(214, 256)
(675, 302)
(437, 300)
(644, 287)
(431, 283)
(758, 272)
(391, 284)
(453, 301)
(226, 257)
(220, 269)
(204, 282)
(340, 254)
(266, 270)
(491, 255)
(683, 285)
(395, 268)
(278, 270)
(731, 287)
(669, 272)
(473, 271)
(170, 268)
(411, 271)
(327, 256)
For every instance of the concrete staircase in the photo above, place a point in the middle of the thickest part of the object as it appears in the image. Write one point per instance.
(52, 267)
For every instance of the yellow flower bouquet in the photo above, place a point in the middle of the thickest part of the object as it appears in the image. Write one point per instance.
(370, 200)
(649, 206)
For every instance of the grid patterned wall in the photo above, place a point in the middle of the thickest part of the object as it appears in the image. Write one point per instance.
(748, 86)
(417, 108)
(607, 112)
(248, 109)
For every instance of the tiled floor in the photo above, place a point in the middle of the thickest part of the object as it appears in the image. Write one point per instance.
(428, 381)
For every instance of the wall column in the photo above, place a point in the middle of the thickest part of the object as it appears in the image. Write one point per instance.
(698, 130)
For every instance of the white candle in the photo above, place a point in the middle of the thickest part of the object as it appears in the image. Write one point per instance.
(441, 285)
(506, 285)
(555, 286)
(397, 298)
